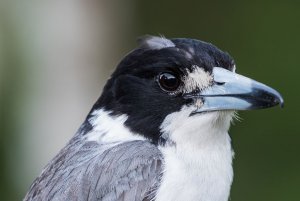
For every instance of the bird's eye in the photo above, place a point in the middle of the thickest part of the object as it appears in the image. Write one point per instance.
(168, 81)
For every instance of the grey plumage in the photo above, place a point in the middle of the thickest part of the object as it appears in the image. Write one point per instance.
(107, 172)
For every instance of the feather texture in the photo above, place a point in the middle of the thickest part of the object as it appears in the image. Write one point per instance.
(91, 171)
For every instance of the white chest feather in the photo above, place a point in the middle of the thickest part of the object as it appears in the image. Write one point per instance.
(196, 174)
(198, 166)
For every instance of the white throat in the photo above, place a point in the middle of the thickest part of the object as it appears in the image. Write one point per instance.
(198, 162)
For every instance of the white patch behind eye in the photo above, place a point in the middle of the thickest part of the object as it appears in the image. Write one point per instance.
(196, 79)
(156, 43)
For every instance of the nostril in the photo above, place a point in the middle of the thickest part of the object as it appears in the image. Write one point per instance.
(219, 83)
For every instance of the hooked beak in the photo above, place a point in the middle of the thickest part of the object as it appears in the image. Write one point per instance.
(232, 91)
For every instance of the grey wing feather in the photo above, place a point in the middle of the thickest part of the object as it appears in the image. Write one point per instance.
(115, 172)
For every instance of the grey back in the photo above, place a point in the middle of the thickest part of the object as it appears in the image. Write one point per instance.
(128, 171)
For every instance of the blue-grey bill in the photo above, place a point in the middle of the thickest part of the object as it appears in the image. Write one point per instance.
(232, 91)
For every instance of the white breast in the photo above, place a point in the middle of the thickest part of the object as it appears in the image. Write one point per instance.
(196, 175)
(198, 164)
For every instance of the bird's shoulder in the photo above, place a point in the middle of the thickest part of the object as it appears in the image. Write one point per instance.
(93, 171)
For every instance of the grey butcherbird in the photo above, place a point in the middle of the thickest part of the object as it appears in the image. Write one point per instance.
(159, 130)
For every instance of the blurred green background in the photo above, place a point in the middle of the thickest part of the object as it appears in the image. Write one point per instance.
(56, 55)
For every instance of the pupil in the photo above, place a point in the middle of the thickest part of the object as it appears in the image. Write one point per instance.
(168, 81)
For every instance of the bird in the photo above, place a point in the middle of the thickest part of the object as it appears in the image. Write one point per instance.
(159, 131)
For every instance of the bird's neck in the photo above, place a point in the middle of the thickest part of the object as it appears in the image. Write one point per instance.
(107, 128)
(198, 166)
(192, 173)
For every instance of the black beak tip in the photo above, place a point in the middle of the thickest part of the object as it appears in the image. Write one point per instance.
(270, 100)
(279, 101)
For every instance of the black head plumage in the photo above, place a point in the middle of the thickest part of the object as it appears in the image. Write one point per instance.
(133, 88)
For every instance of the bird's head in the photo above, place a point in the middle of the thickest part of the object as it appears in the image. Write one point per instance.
(172, 84)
